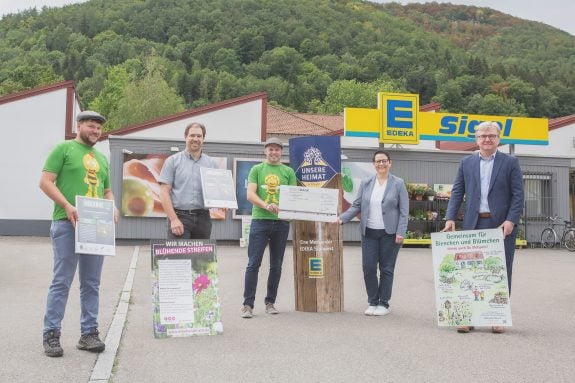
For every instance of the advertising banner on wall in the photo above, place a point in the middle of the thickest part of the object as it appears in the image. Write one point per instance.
(471, 287)
(185, 290)
(140, 187)
(242, 167)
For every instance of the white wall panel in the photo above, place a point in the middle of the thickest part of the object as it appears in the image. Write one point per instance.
(237, 123)
(30, 128)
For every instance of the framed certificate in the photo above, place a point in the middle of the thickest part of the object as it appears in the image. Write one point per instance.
(95, 228)
(218, 188)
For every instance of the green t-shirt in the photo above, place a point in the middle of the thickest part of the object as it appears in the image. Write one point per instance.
(80, 170)
(268, 178)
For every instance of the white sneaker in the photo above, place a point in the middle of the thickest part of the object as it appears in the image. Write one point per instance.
(271, 309)
(380, 311)
(370, 310)
(247, 312)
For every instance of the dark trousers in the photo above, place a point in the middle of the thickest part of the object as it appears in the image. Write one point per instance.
(508, 243)
(262, 233)
(378, 248)
(197, 225)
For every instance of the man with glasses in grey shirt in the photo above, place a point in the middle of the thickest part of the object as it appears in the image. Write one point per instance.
(181, 188)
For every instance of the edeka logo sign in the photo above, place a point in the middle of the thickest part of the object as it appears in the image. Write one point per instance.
(316, 160)
(397, 120)
(316, 267)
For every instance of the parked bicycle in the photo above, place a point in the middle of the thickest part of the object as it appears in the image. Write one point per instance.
(550, 237)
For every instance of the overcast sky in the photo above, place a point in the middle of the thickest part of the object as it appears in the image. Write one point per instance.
(558, 13)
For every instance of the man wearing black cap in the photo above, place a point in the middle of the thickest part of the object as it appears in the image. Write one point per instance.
(74, 168)
(264, 181)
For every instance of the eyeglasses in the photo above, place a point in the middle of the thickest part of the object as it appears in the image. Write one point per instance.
(381, 162)
(486, 136)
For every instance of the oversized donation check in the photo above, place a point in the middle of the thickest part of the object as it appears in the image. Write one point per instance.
(308, 204)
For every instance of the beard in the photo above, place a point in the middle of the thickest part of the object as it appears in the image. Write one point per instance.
(88, 139)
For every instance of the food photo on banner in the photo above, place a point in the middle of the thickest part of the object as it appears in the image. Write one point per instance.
(140, 187)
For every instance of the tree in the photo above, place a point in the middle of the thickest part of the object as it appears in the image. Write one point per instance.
(145, 100)
(495, 105)
(226, 60)
(311, 47)
(283, 61)
(107, 100)
(350, 93)
(251, 45)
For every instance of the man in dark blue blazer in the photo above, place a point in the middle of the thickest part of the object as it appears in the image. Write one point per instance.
(492, 184)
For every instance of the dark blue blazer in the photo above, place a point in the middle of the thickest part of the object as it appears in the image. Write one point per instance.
(505, 196)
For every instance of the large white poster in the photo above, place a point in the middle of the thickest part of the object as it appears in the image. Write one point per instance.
(471, 287)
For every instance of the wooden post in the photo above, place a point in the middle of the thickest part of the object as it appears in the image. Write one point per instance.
(322, 291)
(317, 246)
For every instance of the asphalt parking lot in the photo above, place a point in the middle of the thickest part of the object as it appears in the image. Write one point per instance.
(404, 346)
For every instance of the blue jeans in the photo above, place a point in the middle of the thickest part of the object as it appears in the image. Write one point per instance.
(262, 232)
(378, 247)
(65, 263)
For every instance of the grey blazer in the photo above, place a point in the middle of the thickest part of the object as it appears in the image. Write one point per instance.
(395, 205)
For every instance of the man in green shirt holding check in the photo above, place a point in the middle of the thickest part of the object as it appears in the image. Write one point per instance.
(264, 182)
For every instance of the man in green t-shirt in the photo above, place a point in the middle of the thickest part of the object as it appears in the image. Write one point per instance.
(74, 168)
(264, 181)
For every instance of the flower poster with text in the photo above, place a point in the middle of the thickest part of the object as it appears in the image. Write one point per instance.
(185, 288)
(471, 286)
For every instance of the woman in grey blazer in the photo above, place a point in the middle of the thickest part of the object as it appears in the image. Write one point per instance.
(384, 206)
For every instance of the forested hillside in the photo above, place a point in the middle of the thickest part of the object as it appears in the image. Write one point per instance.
(134, 60)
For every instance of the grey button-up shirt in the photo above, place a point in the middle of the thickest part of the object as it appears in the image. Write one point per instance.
(182, 172)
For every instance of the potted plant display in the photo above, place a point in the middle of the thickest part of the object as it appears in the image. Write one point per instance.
(429, 194)
(419, 191)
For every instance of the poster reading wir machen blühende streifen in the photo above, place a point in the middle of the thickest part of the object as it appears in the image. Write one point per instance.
(471, 287)
(185, 288)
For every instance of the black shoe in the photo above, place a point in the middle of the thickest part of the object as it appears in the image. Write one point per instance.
(91, 342)
(52, 344)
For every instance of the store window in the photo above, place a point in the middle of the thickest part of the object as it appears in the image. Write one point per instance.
(538, 200)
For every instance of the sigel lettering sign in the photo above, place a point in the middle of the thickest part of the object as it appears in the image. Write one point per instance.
(465, 126)
(397, 120)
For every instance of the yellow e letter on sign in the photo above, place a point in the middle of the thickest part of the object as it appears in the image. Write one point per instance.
(399, 113)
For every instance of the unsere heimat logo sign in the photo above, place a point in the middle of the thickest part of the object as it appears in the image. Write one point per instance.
(314, 171)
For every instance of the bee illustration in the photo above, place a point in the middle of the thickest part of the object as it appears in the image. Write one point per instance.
(92, 168)
(272, 182)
